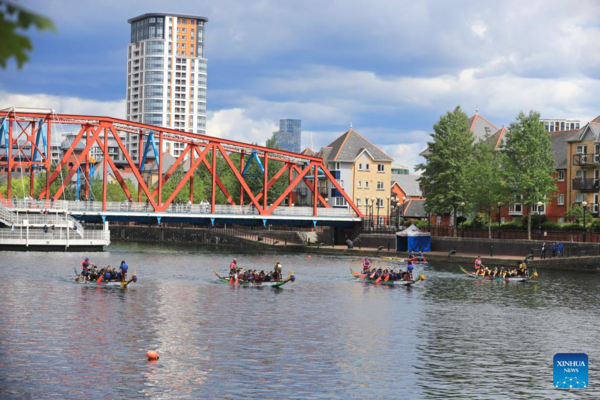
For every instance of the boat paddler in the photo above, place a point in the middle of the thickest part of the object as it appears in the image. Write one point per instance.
(478, 263)
(366, 265)
(233, 265)
(84, 268)
(123, 268)
(278, 270)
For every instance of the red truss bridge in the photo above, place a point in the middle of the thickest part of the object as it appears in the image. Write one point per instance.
(26, 150)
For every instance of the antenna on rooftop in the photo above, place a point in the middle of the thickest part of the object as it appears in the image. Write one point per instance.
(350, 124)
(476, 110)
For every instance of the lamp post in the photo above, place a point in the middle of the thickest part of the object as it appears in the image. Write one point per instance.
(429, 222)
(389, 216)
(462, 206)
(584, 205)
(403, 203)
(499, 220)
(377, 211)
(539, 205)
(367, 209)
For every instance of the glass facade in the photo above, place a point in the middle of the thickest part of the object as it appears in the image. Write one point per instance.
(289, 136)
(148, 28)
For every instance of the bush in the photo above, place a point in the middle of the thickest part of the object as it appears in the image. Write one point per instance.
(512, 226)
(421, 224)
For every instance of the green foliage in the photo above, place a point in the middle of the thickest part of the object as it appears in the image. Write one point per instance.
(575, 214)
(421, 223)
(13, 21)
(271, 142)
(446, 174)
(529, 161)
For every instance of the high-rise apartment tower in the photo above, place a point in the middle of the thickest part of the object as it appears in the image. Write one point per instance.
(166, 75)
(289, 135)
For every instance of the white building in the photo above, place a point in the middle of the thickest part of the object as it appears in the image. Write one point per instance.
(166, 75)
(557, 125)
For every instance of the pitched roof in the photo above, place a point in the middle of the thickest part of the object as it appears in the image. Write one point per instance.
(309, 152)
(324, 153)
(560, 147)
(589, 131)
(168, 160)
(596, 120)
(415, 209)
(409, 184)
(350, 145)
(481, 128)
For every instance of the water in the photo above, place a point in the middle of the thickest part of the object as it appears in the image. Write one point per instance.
(324, 336)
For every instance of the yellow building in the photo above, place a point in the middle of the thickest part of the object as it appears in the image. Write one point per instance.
(363, 171)
(583, 169)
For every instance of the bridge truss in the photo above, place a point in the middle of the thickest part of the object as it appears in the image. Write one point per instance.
(25, 144)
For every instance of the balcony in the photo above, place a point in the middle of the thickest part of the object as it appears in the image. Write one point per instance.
(586, 184)
(586, 160)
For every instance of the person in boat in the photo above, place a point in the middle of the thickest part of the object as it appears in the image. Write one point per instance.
(421, 257)
(233, 265)
(366, 265)
(277, 271)
(411, 254)
(123, 271)
(85, 264)
(478, 263)
(409, 270)
(495, 272)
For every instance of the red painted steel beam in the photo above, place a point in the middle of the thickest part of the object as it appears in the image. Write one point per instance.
(266, 181)
(344, 194)
(65, 159)
(214, 178)
(135, 171)
(95, 120)
(273, 180)
(309, 184)
(287, 191)
(188, 175)
(240, 178)
(241, 170)
(160, 168)
(220, 184)
(315, 190)
(173, 167)
(105, 172)
(191, 177)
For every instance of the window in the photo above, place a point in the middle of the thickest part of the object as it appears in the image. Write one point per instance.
(379, 203)
(561, 175)
(502, 220)
(581, 149)
(561, 220)
(541, 210)
(360, 184)
(561, 199)
(360, 167)
(366, 184)
(335, 166)
(359, 202)
(366, 167)
(380, 168)
(380, 185)
(340, 182)
(340, 201)
(580, 197)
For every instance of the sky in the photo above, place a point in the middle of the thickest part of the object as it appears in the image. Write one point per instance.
(389, 68)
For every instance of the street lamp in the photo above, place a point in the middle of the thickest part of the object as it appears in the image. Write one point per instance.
(584, 205)
(367, 209)
(377, 210)
(499, 220)
(403, 203)
(389, 216)
(539, 206)
(462, 206)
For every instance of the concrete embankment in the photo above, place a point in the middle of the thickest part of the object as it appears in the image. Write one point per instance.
(577, 256)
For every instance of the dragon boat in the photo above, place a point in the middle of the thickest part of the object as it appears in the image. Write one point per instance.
(100, 282)
(360, 277)
(532, 277)
(411, 259)
(274, 284)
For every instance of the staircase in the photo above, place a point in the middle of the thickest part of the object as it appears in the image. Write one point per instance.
(7, 217)
(308, 237)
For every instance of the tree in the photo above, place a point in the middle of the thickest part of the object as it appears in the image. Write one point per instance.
(14, 19)
(530, 162)
(445, 174)
(486, 186)
(272, 141)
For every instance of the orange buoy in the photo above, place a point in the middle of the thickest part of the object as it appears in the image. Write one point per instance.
(308, 256)
(152, 355)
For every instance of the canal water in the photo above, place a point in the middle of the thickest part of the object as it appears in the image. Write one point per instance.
(323, 336)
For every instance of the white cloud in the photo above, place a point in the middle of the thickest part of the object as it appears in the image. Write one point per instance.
(234, 124)
(406, 154)
(64, 105)
(479, 29)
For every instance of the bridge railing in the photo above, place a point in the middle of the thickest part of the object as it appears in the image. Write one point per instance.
(57, 234)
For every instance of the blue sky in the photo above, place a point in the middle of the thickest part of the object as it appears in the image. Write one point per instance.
(390, 68)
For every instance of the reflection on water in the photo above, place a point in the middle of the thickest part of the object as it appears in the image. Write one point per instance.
(324, 336)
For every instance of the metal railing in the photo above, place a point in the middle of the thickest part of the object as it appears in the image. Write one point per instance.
(586, 184)
(132, 207)
(7, 216)
(56, 234)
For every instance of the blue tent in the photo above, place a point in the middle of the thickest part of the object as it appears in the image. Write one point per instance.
(412, 239)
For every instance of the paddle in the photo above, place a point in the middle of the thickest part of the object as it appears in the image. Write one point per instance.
(386, 278)
(373, 275)
(99, 280)
(132, 279)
